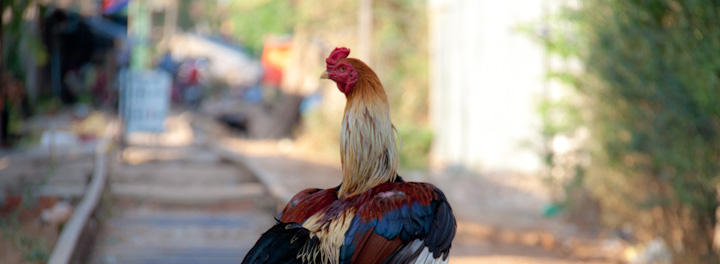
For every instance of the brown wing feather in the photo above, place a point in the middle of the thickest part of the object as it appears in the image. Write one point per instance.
(373, 248)
(306, 203)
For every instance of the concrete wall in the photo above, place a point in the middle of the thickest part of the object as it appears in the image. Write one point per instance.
(486, 79)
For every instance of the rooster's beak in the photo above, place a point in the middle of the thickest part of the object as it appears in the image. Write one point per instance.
(324, 75)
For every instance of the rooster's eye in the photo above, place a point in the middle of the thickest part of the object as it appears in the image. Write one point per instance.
(342, 69)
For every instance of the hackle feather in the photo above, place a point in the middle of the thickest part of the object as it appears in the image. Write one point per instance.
(368, 150)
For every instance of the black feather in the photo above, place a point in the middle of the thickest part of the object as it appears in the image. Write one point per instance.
(280, 244)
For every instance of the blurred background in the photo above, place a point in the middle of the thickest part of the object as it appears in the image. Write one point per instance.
(562, 131)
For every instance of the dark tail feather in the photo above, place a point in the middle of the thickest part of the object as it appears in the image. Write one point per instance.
(280, 244)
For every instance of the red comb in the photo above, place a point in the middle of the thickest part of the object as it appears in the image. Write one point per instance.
(336, 55)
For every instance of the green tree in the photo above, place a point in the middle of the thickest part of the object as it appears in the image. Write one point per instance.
(252, 20)
(651, 83)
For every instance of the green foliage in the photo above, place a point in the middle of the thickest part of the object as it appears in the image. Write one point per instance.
(18, 41)
(403, 69)
(415, 145)
(194, 13)
(253, 20)
(651, 83)
(32, 250)
(21, 46)
(243, 21)
(248, 21)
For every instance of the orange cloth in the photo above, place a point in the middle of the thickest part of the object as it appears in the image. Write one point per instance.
(274, 58)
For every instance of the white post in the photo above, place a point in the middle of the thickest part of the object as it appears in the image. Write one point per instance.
(365, 30)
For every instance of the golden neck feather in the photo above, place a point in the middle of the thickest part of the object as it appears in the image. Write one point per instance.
(368, 150)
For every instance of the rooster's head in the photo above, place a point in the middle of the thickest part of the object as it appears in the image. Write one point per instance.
(341, 70)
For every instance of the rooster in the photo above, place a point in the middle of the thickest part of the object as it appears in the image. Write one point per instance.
(373, 216)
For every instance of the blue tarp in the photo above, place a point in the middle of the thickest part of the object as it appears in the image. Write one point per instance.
(114, 6)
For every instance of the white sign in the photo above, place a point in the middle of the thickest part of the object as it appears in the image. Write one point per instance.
(144, 99)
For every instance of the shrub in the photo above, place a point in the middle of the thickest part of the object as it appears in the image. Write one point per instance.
(651, 83)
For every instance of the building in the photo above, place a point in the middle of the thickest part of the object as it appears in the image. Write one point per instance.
(486, 80)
